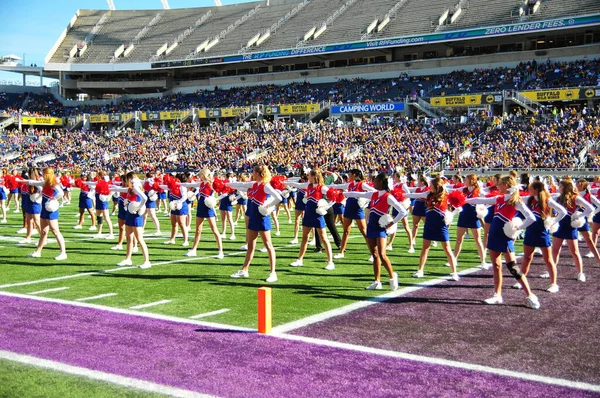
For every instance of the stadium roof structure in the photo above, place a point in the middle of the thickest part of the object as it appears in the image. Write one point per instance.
(129, 40)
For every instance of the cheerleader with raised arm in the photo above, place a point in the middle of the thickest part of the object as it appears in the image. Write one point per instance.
(398, 182)
(300, 207)
(121, 195)
(492, 191)
(419, 210)
(51, 193)
(354, 210)
(537, 235)
(135, 205)
(577, 210)
(316, 208)
(179, 208)
(242, 201)
(503, 231)
(31, 203)
(468, 219)
(13, 190)
(150, 190)
(85, 202)
(205, 210)
(3, 194)
(116, 180)
(261, 200)
(162, 194)
(437, 220)
(103, 196)
(226, 209)
(377, 228)
(585, 193)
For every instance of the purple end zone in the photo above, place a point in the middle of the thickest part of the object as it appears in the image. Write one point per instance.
(450, 321)
(234, 364)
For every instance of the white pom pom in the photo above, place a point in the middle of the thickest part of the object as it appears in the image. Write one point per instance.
(449, 217)
(481, 211)
(36, 197)
(265, 211)
(363, 202)
(6, 190)
(385, 220)
(406, 203)
(551, 225)
(343, 202)
(577, 220)
(322, 207)
(104, 198)
(52, 206)
(292, 189)
(512, 229)
(232, 198)
(175, 205)
(91, 194)
(210, 202)
(115, 195)
(125, 203)
(305, 200)
(191, 195)
(152, 195)
(133, 207)
(285, 193)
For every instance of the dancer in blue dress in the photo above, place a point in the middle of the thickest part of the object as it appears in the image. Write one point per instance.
(469, 220)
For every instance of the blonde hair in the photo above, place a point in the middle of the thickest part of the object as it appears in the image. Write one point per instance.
(49, 177)
(568, 194)
(584, 183)
(318, 175)
(510, 182)
(438, 194)
(264, 173)
(206, 175)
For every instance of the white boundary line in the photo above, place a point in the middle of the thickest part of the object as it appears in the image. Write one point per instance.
(56, 289)
(139, 307)
(212, 313)
(446, 362)
(96, 297)
(100, 376)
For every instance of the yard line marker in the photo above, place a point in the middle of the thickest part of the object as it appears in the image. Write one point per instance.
(58, 289)
(96, 297)
(139, 307)
(217, 312)
(101, 376)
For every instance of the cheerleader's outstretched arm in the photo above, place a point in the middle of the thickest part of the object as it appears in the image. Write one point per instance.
(529, 217)
(137, 188)
(301, 185)
(240, 186)
(481, 201)
(58, 192)
(561, 212)
(190, 184)
(588, 209)
(339, 186)
(596, 203)
(118, 189)
(399, 208)
(358, 195)
(275, 196)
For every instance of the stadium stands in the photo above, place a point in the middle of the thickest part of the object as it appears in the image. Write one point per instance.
(86, 20)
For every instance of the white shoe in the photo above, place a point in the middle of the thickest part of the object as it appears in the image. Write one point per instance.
(434, 243)
(240, 274)
(330, 266)
(485, 265)
(232, 237)
(339, 255)
(3, 221)
(517, 286)
(579, 237)
(581, 277)
(418, 274)
(35, 255)
(109, 237)
(77, 227)
(135, 249)
(220, 256)
(293, 241)
(263, 250)
(447, 264)
(394, 281)
(25, 241)
(223, 235)
(185, 244)
(533, 302)
(117, 247)
(312, 242)
(411, 250)
(371, 259)
(17, 211)
(97, 236)
(157, 233)
(495, 299)
(22, 231)
(374, 286)
(545, 275)
(235, 224)
(553, 288)
(190, 253)
(93, 228)
(124, 263)
(589, 255)
(34, 232)
(297, 263)
(116, 224)
(277, 233)
(169, 242)
(146, 265)
(454, 276)
(537, 251)
(244, 248)
(272, 277)
(389, 248)
(61, 256)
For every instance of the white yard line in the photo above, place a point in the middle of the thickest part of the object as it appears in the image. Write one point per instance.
(96, 297)
(148, 305)
(57, 289)
(212, 313)
(128, 382)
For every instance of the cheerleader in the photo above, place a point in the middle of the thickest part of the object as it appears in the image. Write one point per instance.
(419, 211)
(299, 208)
(339, 208)
(507, 204)
(468, 219)
(205, 210)
(116, 180)
(380, 202)
(51, 192)
(262, 197)
(436, 223)
(242, 202)
(285, 202)
(567, 228)
(537, 234)
(226, 208)
(85, 202)
(102, 196)
(492, 191)
(67, 182)
(411, 247)
(162, 194)
(3, 194)
(150, 190)
(121, 211)
(353, 211)
(13, 190)
(31, 203)
(134, 219)
(179, 208)
(316, 207)
(585, 193)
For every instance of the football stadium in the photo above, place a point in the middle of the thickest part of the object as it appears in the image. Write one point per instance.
(392, 198)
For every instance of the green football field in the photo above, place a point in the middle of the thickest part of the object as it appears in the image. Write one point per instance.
(200, 287)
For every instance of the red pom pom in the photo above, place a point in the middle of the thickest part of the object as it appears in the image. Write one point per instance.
(398, 194)
(219, 186)
(277, 182)
(102, 188)
(333, 194)
(457, 198)
(78, 183)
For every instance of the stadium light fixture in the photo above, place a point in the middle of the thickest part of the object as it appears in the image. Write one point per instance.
(309, 34)
(211, 44)
(253, 40)
(383, 24)
(165, 4)
(218, 3)
(372, 26)
(263, 38)
(202, 46)
(320, 31)
(111, 5)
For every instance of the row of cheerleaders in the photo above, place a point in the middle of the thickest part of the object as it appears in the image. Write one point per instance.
(545, 215)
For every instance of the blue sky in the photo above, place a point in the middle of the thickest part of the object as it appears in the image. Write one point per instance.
(31, 27)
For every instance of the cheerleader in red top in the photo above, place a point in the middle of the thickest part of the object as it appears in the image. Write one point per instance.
(596, 183)
(585, 193)
(468, 219)
(226, 208)
(85, 201)
(261, 200)
(419, 211)
(398, 182)
(205, 210)
(13, 191)
(121, 193)
(134, 220)
(380, 202)
(102, 196)
(457, 181)
(32, 204)
(242, 201)
(150, 189)
(67, 182)
(179, 208)
(316, 208)
(354, 208)
(3, 194)
(492, 191)
(436, 224)
(51, 192)
(596, 219)
(299, 208)
(507, 205)
(116, 180)
(162, 194)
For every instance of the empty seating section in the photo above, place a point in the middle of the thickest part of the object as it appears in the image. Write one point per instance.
(120, 28)
(566, 8)
(85, 22)
(486, 13)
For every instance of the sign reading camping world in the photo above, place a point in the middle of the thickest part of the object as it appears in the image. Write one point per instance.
(387, 107)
